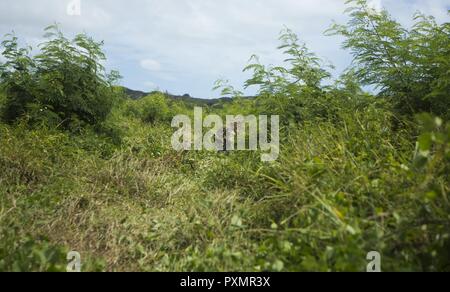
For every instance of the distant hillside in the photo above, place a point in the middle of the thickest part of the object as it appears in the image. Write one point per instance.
(136, 94)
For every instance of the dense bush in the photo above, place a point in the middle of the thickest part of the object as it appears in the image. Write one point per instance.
(295, 92)
(64, 84)
(347, 182)
(409, 66)
(155, 108)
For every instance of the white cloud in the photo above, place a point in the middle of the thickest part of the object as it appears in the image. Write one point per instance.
(150, 85)
(376, 5)
(151, 65)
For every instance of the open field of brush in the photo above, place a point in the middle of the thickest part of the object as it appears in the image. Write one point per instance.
(84, 167)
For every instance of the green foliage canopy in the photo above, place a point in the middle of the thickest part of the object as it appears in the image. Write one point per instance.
(411, 67)
(65, 83)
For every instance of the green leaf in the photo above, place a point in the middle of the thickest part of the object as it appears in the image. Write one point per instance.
(425, 142)
(278, 266)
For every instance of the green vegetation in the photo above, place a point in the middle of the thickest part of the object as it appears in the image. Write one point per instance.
(83, 167)
(64, 84)
(411, 67)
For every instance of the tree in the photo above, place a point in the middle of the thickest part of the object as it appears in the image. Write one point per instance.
(65, 81)
(295, 90)
(410, 67)
(155, 108)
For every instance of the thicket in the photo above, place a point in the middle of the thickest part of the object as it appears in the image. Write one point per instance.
(64, 84)
(358, 171)
(410, 66)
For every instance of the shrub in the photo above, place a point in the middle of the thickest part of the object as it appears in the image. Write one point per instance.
(409, 66)
(154, 108)
(295, 91)
(64, 84)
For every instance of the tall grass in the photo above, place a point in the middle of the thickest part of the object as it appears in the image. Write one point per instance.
(337, 192)
(357, 173)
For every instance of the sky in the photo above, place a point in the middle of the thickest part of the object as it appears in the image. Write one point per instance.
(184, 46)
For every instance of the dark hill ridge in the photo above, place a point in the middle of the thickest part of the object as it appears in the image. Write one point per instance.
(136, 94)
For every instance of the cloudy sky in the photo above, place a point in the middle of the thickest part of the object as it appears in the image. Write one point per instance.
(183, 46)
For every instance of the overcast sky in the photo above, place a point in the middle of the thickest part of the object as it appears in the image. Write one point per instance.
(183, 46)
